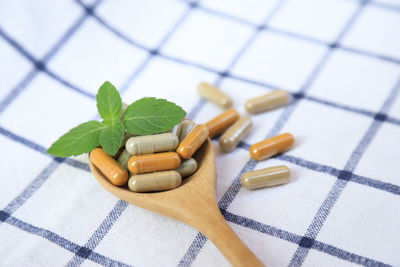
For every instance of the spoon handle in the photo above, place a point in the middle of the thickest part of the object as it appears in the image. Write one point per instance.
(228, 243)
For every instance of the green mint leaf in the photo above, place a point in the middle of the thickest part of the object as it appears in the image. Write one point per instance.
(109, 104)
(81, 139)
(111, 138)
(150, 115)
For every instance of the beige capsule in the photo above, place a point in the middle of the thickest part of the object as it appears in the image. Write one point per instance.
(187, 167)
(184, 129)
(124, 158)
(275, 99)
(156, 181)
(214, 95)
(266, 177)
(149, 144)
(231, 138)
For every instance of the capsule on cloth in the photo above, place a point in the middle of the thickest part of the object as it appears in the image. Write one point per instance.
(275, 99)
(109, 167)
(222, 122)
(156, 181)
(148, 144)
(231, 138)
(272, 146)
(184, 129)
(214, 95)
(266, 177)
(124, 158)
(154, 162)
(187, 167)
(193, 141)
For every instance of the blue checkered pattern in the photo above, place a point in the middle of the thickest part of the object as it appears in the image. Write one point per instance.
(335, 180)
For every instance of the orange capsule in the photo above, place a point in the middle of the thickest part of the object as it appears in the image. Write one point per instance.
(109, 167)
(272, 146)
(222, 122)
(193, 141)
(154, 162)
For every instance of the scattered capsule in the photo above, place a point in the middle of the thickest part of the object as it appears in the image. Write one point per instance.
(275, 99)
(184, 129)
(148, 144)
(109, 167)
(231, 138)
(187, 167)
(124, 158)
(214, 95)
(266, 177)
(193, 141)
(222, 122)
(157, 181)
(272, 146)
(154, 162)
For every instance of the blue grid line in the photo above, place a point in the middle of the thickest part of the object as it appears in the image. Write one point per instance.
(200, 239)
(296, 239)
(42, 150)
(113, 216)
(337, 189)
(15, 92)
(84, 252)
(40, 64)
(56, 239)
(386, 6)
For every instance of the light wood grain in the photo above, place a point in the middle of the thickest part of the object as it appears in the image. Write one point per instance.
(193, 203)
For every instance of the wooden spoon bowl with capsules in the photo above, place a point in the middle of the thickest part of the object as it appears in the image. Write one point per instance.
(194, 203)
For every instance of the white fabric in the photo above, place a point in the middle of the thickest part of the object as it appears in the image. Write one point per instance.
(340, 60)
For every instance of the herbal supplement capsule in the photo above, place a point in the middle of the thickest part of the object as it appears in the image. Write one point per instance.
(213, 94)
(266, 177)
(222, 122)
(193, 141)
(275, 99)
(187, 167)
(154, 162)
(148, 144)
(156, 181)
(184, 129)
(272, 146)
(124, 158)
(109, 167)
(231, 138)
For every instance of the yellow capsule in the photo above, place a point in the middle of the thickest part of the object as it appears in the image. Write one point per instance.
(272, 146)
(275, 99)
(187, 167)
(154, 162)
(231, 138)
(148, 144)
(124, 158)
(193, 141)
(266, 177)
(222, 122)
(156, 181)
(109, 167)
(214, 95)
(184, 129)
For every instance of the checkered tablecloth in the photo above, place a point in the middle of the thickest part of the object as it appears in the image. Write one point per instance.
(340, 59)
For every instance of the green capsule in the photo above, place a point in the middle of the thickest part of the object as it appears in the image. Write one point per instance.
(184, 129)
(149, 144)
(124, 158)
(155, 181)
(266, 177)
(187, 167)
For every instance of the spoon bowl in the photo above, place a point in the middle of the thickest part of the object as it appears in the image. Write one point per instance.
(194, 203)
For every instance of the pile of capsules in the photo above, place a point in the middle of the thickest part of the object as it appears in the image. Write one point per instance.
(159, 162)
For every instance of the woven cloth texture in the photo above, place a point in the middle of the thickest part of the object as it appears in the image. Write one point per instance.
(339, 59)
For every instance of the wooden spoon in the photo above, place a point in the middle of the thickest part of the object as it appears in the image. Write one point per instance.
(194, 203)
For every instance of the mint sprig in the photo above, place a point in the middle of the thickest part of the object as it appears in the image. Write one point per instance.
(148, 115)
